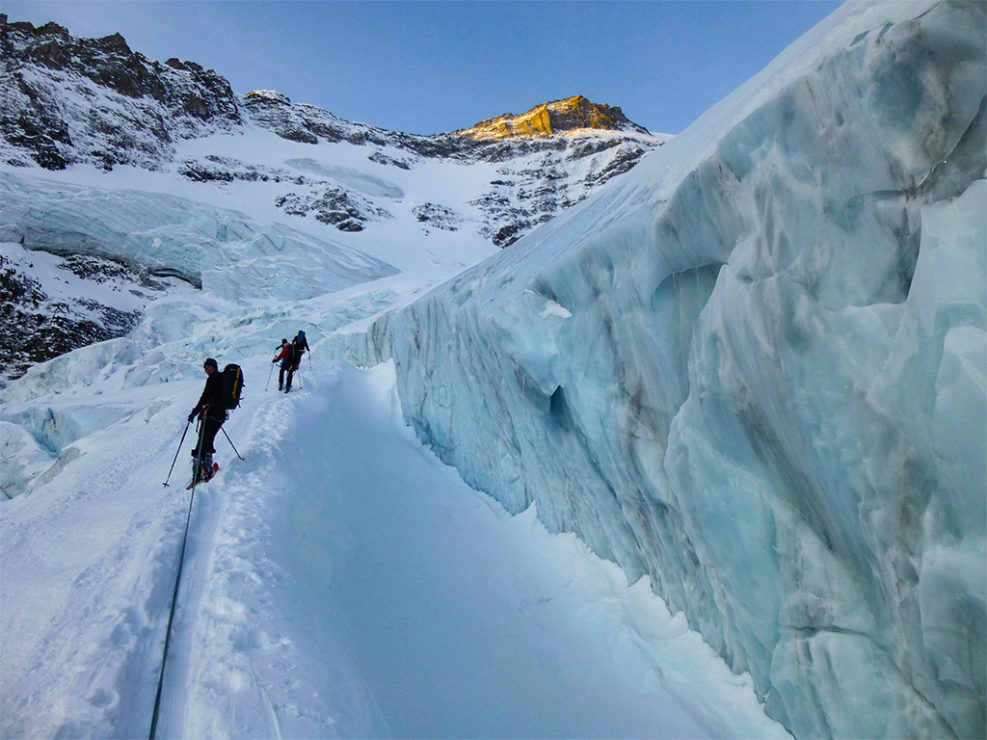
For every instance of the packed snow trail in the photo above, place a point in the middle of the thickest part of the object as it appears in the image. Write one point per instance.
(89, 561)
(339, 582)
(357, 587)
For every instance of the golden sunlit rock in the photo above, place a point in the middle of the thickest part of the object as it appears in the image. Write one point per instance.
(559, 116)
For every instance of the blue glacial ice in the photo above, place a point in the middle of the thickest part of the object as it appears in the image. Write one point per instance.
(754, 369)
(229, 254)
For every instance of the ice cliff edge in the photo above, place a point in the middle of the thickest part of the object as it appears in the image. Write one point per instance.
(754, 370)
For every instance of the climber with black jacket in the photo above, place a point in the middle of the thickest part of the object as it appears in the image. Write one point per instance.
(299, 346)
(211, 414)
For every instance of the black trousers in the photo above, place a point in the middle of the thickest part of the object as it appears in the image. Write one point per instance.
(290, 369)
(207, 434)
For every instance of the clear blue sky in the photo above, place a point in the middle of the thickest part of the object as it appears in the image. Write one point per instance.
(425, 67)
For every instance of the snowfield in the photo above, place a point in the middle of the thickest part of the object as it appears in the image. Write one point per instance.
(339, 581)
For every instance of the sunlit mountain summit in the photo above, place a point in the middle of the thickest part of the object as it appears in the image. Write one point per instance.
(575, 114)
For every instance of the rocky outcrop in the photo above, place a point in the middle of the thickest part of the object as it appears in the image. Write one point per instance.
(65, 100)
(42, 320)
(558, 116)
(436, 216)
(333, 206)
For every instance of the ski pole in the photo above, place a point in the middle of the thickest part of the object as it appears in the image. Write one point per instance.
(231, 443)
(269, 376)
(187, 425)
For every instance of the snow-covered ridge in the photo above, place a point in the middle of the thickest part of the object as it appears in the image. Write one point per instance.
(68, 105)
(71, 100)
(536, 178)
(754, 369)
(94, 101)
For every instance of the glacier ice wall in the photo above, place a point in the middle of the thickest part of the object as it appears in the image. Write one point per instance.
(229, 254)
(754, 369)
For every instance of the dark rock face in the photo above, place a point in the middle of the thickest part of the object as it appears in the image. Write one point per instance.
(71, 100)
(380, 158)
(40, 321)
(333, 207)
(534, 189)
(436, 216)
(275, 112)
(212, 168)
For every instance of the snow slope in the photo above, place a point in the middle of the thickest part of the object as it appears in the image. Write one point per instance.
(338, 582)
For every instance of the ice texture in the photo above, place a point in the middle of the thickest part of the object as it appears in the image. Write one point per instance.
(229, 254)
(754, 370)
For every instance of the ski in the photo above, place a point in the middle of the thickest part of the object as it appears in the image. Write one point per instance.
(200, 479)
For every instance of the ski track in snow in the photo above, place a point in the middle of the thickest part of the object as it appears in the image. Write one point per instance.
(338, 582)
(115, 586)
